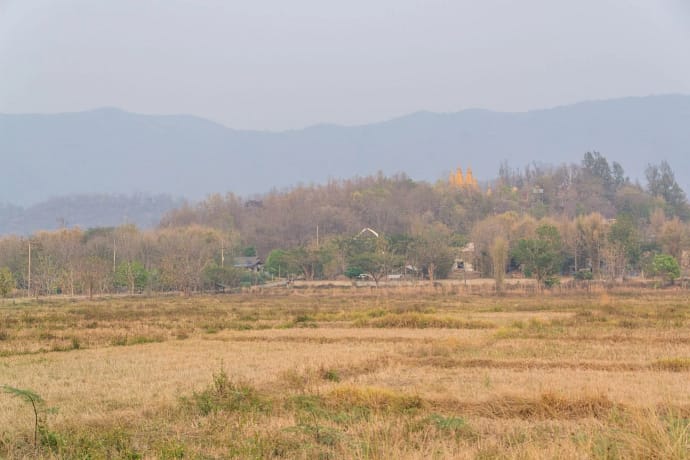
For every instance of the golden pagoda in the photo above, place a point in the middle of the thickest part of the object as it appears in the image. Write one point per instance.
(467, 181)
(459, 181)
(470, 181)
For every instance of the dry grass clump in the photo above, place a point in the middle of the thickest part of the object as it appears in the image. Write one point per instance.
(227, 395)
(644, 434)
(546, 406)
(422, 321)
(448, 362)
(672, 364)
(376, 399)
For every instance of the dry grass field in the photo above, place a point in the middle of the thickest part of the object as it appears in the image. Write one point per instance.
(345, 373)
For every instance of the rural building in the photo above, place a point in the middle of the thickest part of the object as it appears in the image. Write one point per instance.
(254, 263)
(465, 259)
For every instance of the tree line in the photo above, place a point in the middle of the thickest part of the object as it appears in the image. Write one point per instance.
(587, 220)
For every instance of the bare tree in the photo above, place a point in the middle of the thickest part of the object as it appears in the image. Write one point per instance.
(499, 259)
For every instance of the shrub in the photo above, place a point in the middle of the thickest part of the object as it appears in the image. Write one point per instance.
(666, 266)
(225, 394)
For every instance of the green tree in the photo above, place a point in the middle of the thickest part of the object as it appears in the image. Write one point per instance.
(249, 251)
(7, 282)
(597, 166)
(432, 251)
(309, 260)
(225, 277)
(540, 256)
(279, 263)
(132, 276)
(624, 246)
(662, 182)
(666, 266)
(371, 255)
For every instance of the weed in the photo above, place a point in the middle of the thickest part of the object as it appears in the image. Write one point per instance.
(51, 440)
(122, 340)
(172, 450)
(119, 341)
(37, 405)
(547, 406)
(447, 425)
(227, 395)
(604, 447)
(643, 434)
(376, 399)
(422, 321)
(115, 442)
(142, 339)
(628, 324)
(330, 375)
(281, 444)
(322, 434)
(298, 381)
(671, 364)
(506, 333)
(303, 319)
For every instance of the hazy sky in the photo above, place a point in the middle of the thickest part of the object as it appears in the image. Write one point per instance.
(286, 64)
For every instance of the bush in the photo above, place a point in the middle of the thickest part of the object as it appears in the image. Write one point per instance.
(7, 282)
(666, 266)
(227, 395)
(584, 275)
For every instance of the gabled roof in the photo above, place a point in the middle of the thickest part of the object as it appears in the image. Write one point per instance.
(246, 262)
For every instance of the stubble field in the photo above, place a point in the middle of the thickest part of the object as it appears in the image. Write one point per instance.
(349, 373)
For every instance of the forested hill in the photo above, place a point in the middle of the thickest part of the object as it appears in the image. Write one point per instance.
(111, 151)
(86, 211)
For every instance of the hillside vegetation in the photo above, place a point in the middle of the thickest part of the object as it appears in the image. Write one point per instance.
(587, 220)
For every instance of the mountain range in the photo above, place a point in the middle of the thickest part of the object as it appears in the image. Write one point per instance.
(86, 211)
(110, 151)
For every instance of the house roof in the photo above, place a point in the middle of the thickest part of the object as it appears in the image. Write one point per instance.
(246, 262)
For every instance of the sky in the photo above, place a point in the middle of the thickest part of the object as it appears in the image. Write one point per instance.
(277, 65)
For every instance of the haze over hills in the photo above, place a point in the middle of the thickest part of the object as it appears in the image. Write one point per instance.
(109, 151)
(86, 211)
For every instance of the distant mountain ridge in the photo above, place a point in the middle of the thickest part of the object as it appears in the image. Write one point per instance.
(111, 151)
(86, 211)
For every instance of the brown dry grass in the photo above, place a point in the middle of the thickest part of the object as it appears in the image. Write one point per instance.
(338, 373)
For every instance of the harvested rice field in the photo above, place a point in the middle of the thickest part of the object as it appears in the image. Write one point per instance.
(346, 373)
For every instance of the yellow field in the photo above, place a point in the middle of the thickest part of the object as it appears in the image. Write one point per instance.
(341, 373)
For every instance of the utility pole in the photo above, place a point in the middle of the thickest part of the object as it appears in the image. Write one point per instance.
(317, 236)
(28, 290)
(222, 253)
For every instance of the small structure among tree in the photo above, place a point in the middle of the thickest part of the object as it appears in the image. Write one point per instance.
(252, 263)
(464, 259)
